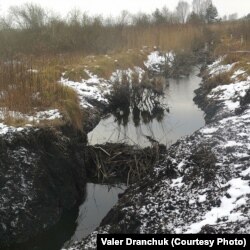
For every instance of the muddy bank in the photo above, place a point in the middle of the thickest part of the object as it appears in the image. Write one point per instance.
(202, 186)
(42, 177)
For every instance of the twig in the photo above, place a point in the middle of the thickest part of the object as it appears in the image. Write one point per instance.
(103, 150)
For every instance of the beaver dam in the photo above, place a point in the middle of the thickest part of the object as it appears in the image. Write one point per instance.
(114, 162)
(125, 144)
(141, 124)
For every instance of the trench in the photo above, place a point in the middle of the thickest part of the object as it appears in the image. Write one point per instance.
(181, 117)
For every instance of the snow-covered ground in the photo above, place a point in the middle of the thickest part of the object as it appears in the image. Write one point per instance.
(94, 88)
(203, 185)
(228, 96)
(35, 162)
(97, 88)
(48, 115)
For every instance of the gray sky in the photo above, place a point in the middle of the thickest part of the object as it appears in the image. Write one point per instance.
(113, 7)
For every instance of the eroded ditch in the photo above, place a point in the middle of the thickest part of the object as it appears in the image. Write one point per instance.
(144, 130)
(148, 126)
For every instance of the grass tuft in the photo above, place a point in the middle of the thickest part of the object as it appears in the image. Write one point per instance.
(27, 89)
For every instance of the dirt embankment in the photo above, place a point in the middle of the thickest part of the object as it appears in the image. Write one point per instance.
(42, 175)
(202, 185)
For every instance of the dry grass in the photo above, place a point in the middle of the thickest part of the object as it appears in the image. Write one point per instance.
(27, 91)
(104, 65)
(231, 58)
(216, 80)
(10, 120)
(166, 37)
(244, 63)
(31, 84)
(234, 46)
(233, 52)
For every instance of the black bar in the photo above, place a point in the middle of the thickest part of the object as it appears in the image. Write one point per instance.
(155, 241)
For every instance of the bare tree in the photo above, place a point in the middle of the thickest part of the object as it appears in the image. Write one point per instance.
(205, 5)
(233, 16)
(197, 6)
(28, 16)
(124, 18)
(166, 14)
(74, 17)
(141, 19)
(182, 11)
(200, 6)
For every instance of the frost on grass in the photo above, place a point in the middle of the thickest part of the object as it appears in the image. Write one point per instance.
(218, 68)
(229, 96)
(96, 88)
(93, 88)
(30, 120)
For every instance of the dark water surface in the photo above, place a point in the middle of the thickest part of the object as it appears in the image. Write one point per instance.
(99, 200)
(183, 118)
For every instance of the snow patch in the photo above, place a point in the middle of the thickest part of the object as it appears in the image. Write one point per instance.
(157, 59)
(47, 115)
(208, 130)
(238, 189)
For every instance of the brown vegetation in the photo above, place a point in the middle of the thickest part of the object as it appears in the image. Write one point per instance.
(218, 79)
(28, 90)
(51, 45)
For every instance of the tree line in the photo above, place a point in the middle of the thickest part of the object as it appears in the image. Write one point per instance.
(31, 29)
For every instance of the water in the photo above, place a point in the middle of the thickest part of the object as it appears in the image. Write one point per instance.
(78, 222)
(99, 200)
(183, 119)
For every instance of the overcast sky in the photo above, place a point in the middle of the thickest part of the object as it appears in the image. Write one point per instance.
(114, 7)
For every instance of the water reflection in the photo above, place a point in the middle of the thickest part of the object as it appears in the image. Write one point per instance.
(99, 200)
(166, 127)
(140, 102)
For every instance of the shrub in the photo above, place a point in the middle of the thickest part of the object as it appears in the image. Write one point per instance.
(27, 90)
(231, 58)
(216, 80)
(183, 63)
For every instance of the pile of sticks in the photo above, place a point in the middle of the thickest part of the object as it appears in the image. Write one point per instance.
(122, 162)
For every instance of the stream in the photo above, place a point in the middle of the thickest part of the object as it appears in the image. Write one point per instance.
(95, 207)
(182, 117)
